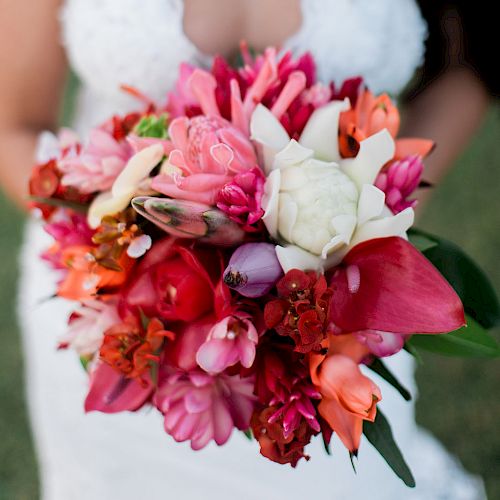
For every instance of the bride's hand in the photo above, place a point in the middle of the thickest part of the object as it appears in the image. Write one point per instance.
(33, 68)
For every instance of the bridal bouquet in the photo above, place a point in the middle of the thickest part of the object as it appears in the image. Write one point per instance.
(237, 255)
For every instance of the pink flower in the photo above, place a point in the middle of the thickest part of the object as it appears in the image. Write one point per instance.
(240, 199)
(208, 152)
(230, 341)
(68, 229)
(88, 324)
(97, 165)
(399, 181)
(382, 344)
(199, 407)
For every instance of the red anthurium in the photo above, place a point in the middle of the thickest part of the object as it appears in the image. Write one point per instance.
(397, 290)
(111, 392)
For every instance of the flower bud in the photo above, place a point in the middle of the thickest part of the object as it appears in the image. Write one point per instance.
(253, 269)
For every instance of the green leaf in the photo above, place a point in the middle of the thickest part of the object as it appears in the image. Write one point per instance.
(379, 434)
(379, 367)
(469, 281)
(84, 361)
(153, 126)
(56, 202)
(248, 434)
(420, 241)
(470, 341)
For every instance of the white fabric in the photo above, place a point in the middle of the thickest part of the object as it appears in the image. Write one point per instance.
(128, 456)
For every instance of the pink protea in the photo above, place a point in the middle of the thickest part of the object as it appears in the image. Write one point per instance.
(97, 165)
(399, 181)
(208, 152)
(232, 340)
(199, 407)
(241, 198)
(88, 324)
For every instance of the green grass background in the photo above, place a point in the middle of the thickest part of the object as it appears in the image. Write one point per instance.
(459, 398)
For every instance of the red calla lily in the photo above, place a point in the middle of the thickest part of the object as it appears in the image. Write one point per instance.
(399, 290)
(111, 392)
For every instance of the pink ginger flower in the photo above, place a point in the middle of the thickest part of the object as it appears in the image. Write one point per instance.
(399, 181)
(88, 324)
(241, 199)
(230, 341)
(199, 407)
(68, 229)
(382, 344)
(208, 152)
(97, 165)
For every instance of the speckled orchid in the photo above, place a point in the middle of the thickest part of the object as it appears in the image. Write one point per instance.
(318, 205)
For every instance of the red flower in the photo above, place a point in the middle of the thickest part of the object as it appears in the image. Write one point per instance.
(399, 291)
(130, 350)
(172, 283)
(301, 311)
(272, 443)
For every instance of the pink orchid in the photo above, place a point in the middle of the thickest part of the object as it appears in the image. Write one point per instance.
(199, 407)
(382, 344)
(97, 165)
(208, 152)
(230, 341)
(241, 198)
(397, 290)
(88, 324)
(68, 229)
(399, 181)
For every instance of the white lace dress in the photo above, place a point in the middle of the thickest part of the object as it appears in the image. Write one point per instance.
(128, 456)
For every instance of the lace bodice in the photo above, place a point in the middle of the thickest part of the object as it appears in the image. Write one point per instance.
(141, 43)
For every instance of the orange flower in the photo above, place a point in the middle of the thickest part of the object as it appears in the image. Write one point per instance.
(349, 397)
(86, 277)
(370, 115)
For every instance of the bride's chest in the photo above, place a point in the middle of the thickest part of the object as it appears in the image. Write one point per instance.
(142, 42)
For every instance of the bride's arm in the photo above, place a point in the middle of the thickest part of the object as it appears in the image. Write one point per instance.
(452, 98)
(32, 73)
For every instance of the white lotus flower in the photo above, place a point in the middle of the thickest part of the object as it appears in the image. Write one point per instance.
(317, 204)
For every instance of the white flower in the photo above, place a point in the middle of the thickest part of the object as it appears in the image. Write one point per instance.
(86, 330)
(126, 184)
(317, 204)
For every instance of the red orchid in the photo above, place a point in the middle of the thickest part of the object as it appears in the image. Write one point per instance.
(399, 291)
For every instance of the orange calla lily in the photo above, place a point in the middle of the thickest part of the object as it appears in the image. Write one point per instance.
(349, 397)
(85, 277)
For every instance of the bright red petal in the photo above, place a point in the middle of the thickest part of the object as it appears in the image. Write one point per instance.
(400, 291)
(111, 392)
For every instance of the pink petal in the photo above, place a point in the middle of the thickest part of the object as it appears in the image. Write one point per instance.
(215, 355)
(222, 422)
(111, 392)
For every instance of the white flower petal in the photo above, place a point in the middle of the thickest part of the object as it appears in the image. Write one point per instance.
(321, 132)
(394, 225)
(266, 129)
(288, 211)
(292, 154)
(344, 226)
(137, 168)
(293, 257)
(293, 178)
(370, 204)
(270, 202)
(106, 204)
(374, 153)
(139, 246)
